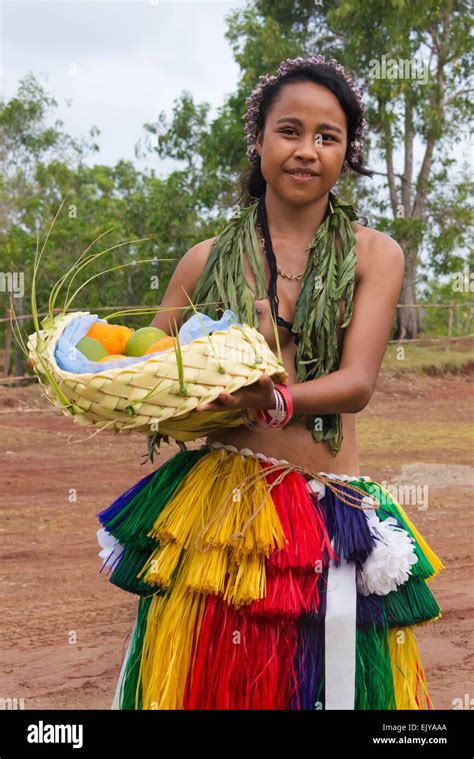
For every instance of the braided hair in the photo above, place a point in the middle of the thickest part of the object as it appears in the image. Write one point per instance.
(272, 265)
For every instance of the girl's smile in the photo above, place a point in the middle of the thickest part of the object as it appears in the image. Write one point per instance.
(302, 178)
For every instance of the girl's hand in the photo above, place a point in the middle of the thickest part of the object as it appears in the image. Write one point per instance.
(257, 395)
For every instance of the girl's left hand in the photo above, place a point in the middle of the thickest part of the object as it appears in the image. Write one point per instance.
(257, 395)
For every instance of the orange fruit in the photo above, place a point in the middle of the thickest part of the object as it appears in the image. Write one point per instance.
(113, 337)
(161, 345)
(111, 356)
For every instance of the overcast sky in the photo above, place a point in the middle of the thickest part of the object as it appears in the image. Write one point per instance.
(118, 63)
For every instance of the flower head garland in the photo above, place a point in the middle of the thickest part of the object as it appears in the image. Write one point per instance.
(254, 101)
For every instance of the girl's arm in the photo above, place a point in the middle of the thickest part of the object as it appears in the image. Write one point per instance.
(186, 275)
(349, 388)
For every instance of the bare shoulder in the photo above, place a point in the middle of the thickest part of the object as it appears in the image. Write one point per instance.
(182, 285)
(191, 265)
(198, 254)
(378, 252)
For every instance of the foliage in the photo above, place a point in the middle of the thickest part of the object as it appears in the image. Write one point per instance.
(421, 203)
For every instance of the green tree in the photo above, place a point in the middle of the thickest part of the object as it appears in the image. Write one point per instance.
(414, 64)
(42, 168)
(414, 67)
(26, 142)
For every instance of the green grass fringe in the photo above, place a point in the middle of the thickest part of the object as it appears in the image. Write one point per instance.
(411, 603)
(131, 525)
(128, 691)
(374, 679)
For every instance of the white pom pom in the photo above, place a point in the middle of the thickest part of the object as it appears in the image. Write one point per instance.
(110, 546)
(317, 487)
(389, 565)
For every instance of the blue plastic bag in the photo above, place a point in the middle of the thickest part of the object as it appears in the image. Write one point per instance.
(70, 359)
(193, 329)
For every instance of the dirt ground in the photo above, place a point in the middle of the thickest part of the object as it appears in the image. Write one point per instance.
(65, 627)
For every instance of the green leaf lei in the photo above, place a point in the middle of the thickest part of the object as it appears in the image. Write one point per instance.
(329, 277)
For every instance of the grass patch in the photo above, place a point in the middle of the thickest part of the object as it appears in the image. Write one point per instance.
(431, 359)
(405, 437)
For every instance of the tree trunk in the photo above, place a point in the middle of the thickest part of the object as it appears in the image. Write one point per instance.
(19, 361)
(7, 348)
(408, 325)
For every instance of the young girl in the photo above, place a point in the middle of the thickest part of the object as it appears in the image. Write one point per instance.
(272, 574)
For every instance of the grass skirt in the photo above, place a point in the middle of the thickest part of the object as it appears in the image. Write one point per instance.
(263, 587)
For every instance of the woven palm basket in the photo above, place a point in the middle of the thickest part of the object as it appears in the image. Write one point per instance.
(160, 393)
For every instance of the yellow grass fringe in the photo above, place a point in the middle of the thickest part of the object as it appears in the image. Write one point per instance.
(200, 531)
(408, 674)
(168, 646)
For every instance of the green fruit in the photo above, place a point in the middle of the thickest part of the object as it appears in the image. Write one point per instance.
(140, 341)
(91, 349)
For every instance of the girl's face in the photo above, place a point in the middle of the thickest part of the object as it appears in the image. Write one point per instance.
(305, 128)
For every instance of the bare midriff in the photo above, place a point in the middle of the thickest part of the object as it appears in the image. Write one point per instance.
(294, 443)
